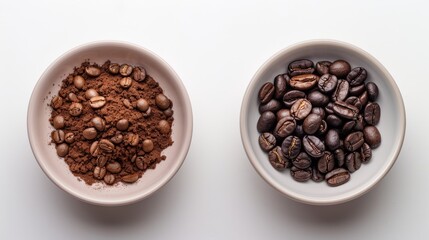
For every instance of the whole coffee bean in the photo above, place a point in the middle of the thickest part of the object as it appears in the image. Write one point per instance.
(266, 92)
(345, 110)
(139, 74)
(90, 93)
(366, 152)
(277, 159)
(130, 178)
(78, 81)
(300, 109)
(319, 111)
(164, 126)
(322, 128)
(337, 177)
(266, 122)
(72, 97)
(360, 123)
(302, 161)
(75, 109)
(97, 102)
(282, 113)
(339, 156)
(122, 124)
(140, 164)
(58, 122)
(114, 167)
(89, 133)
(364, 98)
(98, 123)
(126, 82)
(316, 175)
(329, 108)
(127, 103)
(322, 67)
(299, 131)
(168, 112)
(318, 99)
(142, 104)
(125, 70)
(69, 137)
(353, 161)
(372, 113)
(118, 138)
(109, 179)
(285, 127)
(326, 163)
(341, 91)
(58, 136)
(304, 81)
(311, 123)
(292, 96)
(348, 127)
(62, 149)
(106, 145)
(56, 102)
(298, 67)
(101, 161)
(93, 71)
(147, 145)
(313, 146)
(356, 90)
(99, 172)
(356, 76)
(355, 101)
(267, 141)
(372, 136)
(340, 68)
(334, 121)
(327, 83)
(280, 86)
(94, 149)
(291, 146)
(332, 139)
(273, 105)
(372, 90)
(300, 175)
(353, 141)
(114, 68)
(132, 139)
(162, 101)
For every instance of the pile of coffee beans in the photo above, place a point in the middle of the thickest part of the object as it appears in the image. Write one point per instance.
(111, 122)
(319, 120)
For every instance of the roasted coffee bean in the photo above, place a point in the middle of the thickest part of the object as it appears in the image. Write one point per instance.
(360, 123)
(75, 109)
(266, 122)
(90, 93)
(372, 136)
(69, 137)
(78, 81)
(322, 128)
(334, 121)
(348, 127)
(98, 123)
(89, 133)
(355, 101)
(364, 98)
(339, 157)
(142, 105)
(132, 139)
(329, 108)
(118, 138)
(162, 101)
(332, 139)
(273, 105)
(291, 147)
(337, 177)
(319, 111)
(299, 131)
(283, 113)
(304, 81)
(72, 97)
(327, 83)
(300, 175)
(97, 102)
(106, 145)
(313, 146)
(326, 163)
(322, 67)
(114, 167)
(93, 71)
(99, 172)
(125, 70)
(126, 82)
(122, 124)
(58, 122)
(341, 91)
(101, 161)
(340, 68)
(311, 123)
(298, 67)
(345, 110)
(372, 113)
(302, 161)
(139, 74)
(357, 76)
(353, 141)
(372, 90)
(292, 96)
(285, 127)
(94, 149)
(114, 68)
(164, 126)
(267, 141)
(147, 145)
(353, 161)
(366, 152)
(280, 86)
(266, 92)
(316, 175)
(277, 159)
(168, 112)
(127, 103)
(56, 102)
(300, 109)
(356, 90)
(109, 179)
(130, 178)
(140, 164)
(318, 99)
(57, 136)
(62, 149)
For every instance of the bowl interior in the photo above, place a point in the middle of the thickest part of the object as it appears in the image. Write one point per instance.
(39, 128)
(391, 125)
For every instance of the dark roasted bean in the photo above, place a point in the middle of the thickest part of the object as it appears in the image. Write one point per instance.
(291, 147)
(300, 175)
(285, 127)
(292, 96)
(266, 122)
(277, 159)
(327, 83)
(372, 90)
(304, 81)
(266, 92)
(353, 161)
(313, 146)
(356, 76)
(337, 177)
(267, 141)
(372, 136)
(372, 113)
(299, 67)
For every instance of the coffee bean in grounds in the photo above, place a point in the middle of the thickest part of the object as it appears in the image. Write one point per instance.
(319, 120)
(111, 122)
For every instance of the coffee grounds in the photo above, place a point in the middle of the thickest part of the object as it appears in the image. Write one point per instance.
(121, 103)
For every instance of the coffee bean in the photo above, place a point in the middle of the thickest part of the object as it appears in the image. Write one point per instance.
(353, 161)
(126, 82)
(298, 67)
(58, 136)
(364, 98)
(357, 76)
(147, 145)
(372, 113)
(101, 161)
(97, 102)
(311, 123)
(326, 163)
(360, 123)
(327, 83)
(93, 71)
(109, 179)
(69, 137)
(89, 133)
(106, 145)
(114, 68)
(277, 159)
(355, 101)
(125, 70)
(90, 93)
(332, 139)
(304, 81)
(334, 121)
(75, 109)
(140, 164)
(130, 178)
(139, 74)
(266, 122)
(292, 96)
(291, 146)
(162, 101)
(300, 109)
(345, 110)
(273, 105)
(285, 127)
(78, 81)
(127, 103)
(372, 90)
(302, 161)
(341, 91)
(329, 108)
(114, 167)
(98, 123)
(56, 102)
(313, 146)
(339, 156)
(132, 139)
(118, 138)
(122, 124)
(340, 68)
(280, 86)
(266, 92)
(300, 175)
(366, 152)
(58, 122)
(163, 126)
(372, 136)
(267, 141)
(142, 104)
(168, 112)
(322, 67)
(356, 90)
(319, 111)
(73, 98)
(94, 149)
(99, 172)
(337, 177)
(348, 127)
(62, 149)
(316, 175)
(282, 113)
(353, 141)
(318, 99)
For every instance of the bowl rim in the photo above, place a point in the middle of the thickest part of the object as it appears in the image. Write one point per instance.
(246, 139)
(182, 153)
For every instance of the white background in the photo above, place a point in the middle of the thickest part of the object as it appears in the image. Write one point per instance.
(215, 47)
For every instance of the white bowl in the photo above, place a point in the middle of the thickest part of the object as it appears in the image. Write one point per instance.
(391, 125)
(39, 128)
